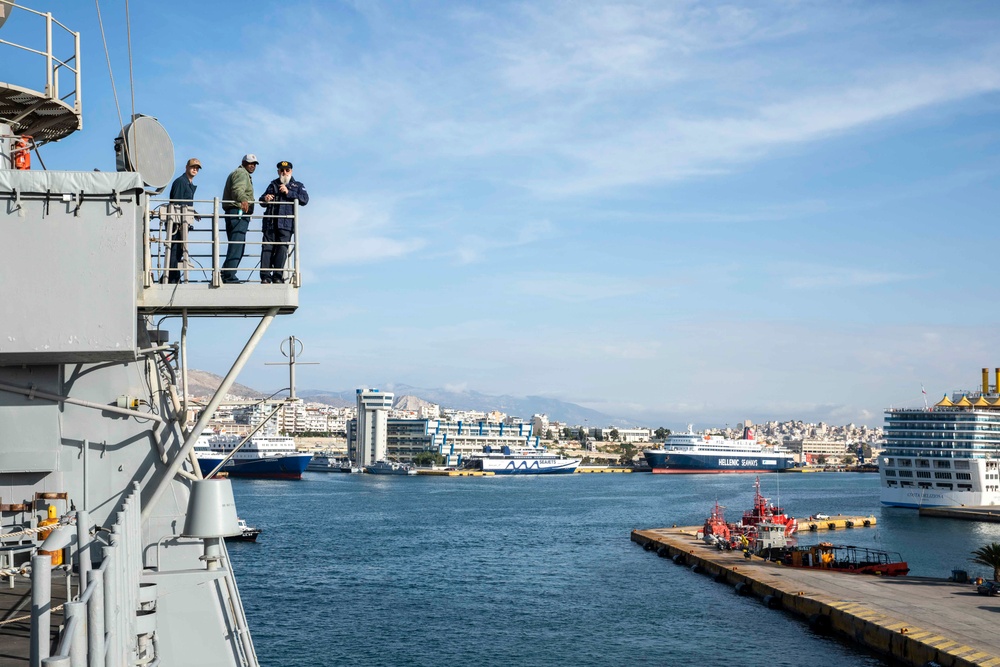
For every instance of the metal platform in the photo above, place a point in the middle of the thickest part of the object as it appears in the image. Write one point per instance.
(51, 110)
(35, 114)
(202, 299)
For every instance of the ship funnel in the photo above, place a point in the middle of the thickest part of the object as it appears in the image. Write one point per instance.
(986, 381)
(996, 380)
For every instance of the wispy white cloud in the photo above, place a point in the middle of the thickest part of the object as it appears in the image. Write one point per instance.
(571, 98)
(807, 277)
(577, 287)
(340, 230)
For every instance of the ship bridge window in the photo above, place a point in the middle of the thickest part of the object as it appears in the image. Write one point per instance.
(905, 462)
(923, 463)
(892, 483)
(906, 485)
(945, 485)
(942, 464)
(905, 473)
(965, 487)
(924, 485)
(890, 473)
(942, 475)
(890, 462)
(923, 474)
(963, 475)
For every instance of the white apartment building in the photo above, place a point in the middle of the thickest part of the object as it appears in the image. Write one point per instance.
(372, 433)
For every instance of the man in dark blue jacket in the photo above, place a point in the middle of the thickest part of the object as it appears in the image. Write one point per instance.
(278, 222)
(180, 215)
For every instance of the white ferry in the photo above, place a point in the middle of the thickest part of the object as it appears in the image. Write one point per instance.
(263, 457)
(521, 461)
(707, 453)
(946, 455)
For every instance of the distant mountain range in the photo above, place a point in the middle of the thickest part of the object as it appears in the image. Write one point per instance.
(520, 406)
(203, 383)
(408, 398)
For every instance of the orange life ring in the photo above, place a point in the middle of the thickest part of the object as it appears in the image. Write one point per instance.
(22, 153)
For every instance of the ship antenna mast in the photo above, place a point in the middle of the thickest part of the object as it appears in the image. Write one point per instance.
(295, 346)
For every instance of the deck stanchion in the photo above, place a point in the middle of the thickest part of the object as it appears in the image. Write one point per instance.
(41, 605)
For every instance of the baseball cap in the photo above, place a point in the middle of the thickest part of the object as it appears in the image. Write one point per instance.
(250, 158)
(193, 162)
(284, 164)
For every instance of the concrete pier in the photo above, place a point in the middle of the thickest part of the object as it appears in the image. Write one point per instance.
(918, 621)
(989, 513)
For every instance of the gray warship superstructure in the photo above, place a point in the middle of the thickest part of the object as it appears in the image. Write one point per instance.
(93, 399)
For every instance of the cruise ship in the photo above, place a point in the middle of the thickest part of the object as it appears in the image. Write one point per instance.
(946, 455)
(692, 452)
(521, 461)
(263, 457)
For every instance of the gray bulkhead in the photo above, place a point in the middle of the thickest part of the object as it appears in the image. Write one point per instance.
(72, 329)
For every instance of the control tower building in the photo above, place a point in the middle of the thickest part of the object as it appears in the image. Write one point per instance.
(373, 413)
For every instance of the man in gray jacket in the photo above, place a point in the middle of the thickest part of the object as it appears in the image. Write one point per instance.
(237, 203)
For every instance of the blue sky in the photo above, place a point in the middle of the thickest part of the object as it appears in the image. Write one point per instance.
(671, 211)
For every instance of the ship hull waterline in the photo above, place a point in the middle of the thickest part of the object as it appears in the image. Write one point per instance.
(284, 467)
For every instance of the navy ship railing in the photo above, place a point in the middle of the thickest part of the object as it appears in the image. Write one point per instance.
(48, 114)
(103, 622)
(199, 228)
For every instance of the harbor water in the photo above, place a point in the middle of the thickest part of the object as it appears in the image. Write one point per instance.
(360, 569)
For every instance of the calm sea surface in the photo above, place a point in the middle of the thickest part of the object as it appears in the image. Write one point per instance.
(368, 570)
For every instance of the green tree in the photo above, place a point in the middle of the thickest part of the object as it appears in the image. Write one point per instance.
(598, 435)
(849, 460)
(567, 433)
(425, 459)
(990, 557)
(661, 433)
(628, 454)
(614, 434)
(549, 435)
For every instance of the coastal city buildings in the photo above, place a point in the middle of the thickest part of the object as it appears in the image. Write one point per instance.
(406, 426)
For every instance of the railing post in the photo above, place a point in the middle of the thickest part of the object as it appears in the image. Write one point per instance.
(297, 279)
(78, 642)
(49, 90)
(77, 104)
(112, 581)
(147, 253)
(41, 605)
(216, 274)
(83, 546)
(95, 619)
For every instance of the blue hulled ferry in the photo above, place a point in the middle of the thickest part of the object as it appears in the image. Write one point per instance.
(705, 453)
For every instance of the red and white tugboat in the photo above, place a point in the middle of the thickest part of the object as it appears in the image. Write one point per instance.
(762, 512)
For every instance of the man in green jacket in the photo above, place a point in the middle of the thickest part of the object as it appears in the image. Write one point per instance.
(237, 203)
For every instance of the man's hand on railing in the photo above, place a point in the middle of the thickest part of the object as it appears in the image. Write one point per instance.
(244, 206)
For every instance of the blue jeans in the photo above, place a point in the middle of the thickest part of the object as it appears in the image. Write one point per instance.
(236, 232)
